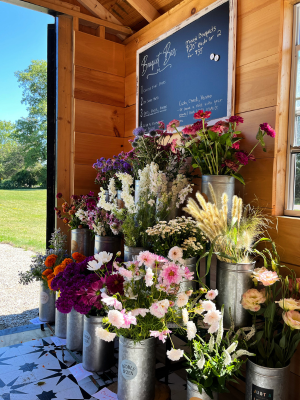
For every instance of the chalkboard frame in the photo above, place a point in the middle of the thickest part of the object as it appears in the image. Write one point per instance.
(231, 54)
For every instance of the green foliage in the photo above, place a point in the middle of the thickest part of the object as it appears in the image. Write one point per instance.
(31, 131)
(24, 178)
(8, 184)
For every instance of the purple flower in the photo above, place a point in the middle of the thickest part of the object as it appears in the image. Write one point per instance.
(140, 131)
(268, 129)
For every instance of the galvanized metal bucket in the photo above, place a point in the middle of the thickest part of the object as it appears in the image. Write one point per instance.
(220, 184)
(47, 304)
(136, 369)
(136, 191)
(97, 355)
(266, 383)
(82, 241)
(130, 252)
(187, 285)
(75, 330)
(192, 392)
(60, 322)
(233, 280)
(111, 244)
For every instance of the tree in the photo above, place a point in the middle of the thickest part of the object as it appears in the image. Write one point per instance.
(31, 131)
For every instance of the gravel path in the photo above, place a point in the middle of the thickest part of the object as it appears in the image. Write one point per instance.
(18, 303)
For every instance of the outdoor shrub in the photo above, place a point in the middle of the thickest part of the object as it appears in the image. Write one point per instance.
(24, 178)
(8, 184)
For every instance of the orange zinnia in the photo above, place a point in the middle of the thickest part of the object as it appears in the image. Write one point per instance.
(66, 262)
(47, 272)
(49, 284)
(78, 257)
(50, 260)
(59, 268)
(50, 276)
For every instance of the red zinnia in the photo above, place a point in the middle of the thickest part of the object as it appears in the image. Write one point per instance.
(202, 114)
(242, 157)
(114, 284)
(231, 165)
(268, 129)
(237, 119)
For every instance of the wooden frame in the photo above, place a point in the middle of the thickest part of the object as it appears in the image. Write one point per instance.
(231, 53)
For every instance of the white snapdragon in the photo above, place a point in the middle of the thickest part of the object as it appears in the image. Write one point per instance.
(102, 203)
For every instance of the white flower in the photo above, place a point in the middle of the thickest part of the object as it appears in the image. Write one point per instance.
(182, 299)
(201, 362)
(213, 328)
(175, 354)
(111, 301)
(93, 265)
(115, 318)
(185, 316)
(211, 294)
(105, 335)
(151, 202)
(211, 343)
(191, 330)
(149, 277)
(227, 358)
(175, 253)
(212, 317)
(140, 311)
(208, 305)
(103, 257)
(232, 347)
(241, 353)
(160, 308)
(220, 332)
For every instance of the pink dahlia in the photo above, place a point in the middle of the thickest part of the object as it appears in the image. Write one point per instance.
(146, 258)
(171, 273)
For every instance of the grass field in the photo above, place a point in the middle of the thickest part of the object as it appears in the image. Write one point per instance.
(23, 218)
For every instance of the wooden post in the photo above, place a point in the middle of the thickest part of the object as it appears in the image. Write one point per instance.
(101, 31)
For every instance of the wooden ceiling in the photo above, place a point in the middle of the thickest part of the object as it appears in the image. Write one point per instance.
(133, 13)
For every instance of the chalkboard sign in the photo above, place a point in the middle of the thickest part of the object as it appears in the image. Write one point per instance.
(190, 67)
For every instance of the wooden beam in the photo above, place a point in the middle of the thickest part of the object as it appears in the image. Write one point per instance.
(111, 27)
(145, 9)
(101, 31)
(99, 11)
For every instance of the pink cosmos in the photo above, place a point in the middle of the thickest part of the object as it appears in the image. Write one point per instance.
(160, 308)
(172, 125)
(116, 318)
(146, 258)
(188, 274)
(212, 317)
(125, 273)
(211, 294)
(128, 319)
(94, 294)
(171, 273)
(140, 311)
(161, 335)
(111, 301)
(116, 266)
(182, 299)
(149, 277)
(208, 305)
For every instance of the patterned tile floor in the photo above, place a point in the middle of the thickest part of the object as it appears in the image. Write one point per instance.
(35, 371)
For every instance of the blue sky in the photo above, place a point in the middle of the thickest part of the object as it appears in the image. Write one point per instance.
(23, 37)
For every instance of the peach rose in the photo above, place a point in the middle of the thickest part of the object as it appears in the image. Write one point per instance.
(252, 299)
(289, 304)
(292, 319)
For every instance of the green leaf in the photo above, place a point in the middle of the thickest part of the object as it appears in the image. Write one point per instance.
(261, 350)
(282, 342)
(270, 311)
(238, 177)
(259, 335)
(213, 135)
(195, 165)
(278, 352)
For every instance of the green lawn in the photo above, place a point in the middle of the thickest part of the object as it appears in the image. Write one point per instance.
(23, 218)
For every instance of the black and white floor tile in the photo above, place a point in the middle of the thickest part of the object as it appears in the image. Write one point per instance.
(36, 370)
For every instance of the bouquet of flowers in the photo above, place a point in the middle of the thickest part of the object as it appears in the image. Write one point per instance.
(99, 221)
(107, 169)
(79, 205)
(144, 302)
(233, 240)
(157, 147)
(182, 233)
(42, 263)
(277, 321)
(153, 204)
(216, 150)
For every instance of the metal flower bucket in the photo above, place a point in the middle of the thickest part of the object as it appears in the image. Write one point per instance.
(220, 184)
(60, 322)
(75, 330)
(82, 242)
(233, 280)
(111, 244)
(187, 285)
(136, 369)
(47, 304)
(192, 392)
(266, 383)
(97, 355)
(130, 252)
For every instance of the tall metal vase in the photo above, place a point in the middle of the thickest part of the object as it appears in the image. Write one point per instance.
(220, 184)
(266, 383)
(60, 322)
(75, 330)
(233, 280)
(136, 369)
(129, 252)
(192, 392)
(47, 304)
(111, 244)
(97, 355)
(82, 242)
(187, 285)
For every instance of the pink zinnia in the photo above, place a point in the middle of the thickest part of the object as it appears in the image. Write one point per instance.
(172, 125)
(218, 127)
(171, 274)
(237, 119)
(161, 125)
(202, 114)
(235, 145)
(188, 274)
(268, 129)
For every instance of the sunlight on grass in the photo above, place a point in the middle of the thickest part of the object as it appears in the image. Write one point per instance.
(23, 218)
